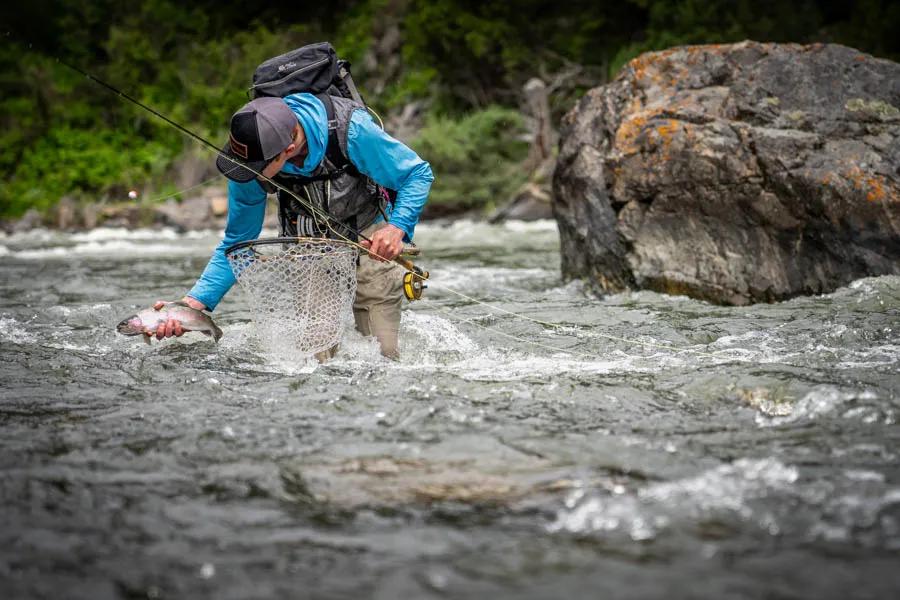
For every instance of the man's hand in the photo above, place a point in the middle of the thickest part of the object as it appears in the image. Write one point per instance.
(385, 244)
(173, 326)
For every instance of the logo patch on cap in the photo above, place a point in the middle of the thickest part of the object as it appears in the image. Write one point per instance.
(238, 148)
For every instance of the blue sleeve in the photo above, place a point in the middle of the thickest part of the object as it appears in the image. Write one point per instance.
(246, 209)
(393, 165)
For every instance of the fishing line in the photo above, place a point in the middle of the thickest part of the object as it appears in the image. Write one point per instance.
(184, 191)
(330, 220)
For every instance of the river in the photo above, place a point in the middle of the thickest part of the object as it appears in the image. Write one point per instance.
(652, 447)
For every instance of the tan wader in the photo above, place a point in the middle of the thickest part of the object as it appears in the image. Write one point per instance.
(376, 309)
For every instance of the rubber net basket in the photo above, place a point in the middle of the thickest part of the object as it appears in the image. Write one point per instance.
(300, 290)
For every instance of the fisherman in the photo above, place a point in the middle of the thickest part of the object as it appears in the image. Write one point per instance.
(287, 140)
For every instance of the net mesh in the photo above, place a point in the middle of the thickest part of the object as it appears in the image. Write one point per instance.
(300, 290)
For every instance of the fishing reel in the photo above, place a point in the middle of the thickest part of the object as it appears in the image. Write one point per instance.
(414, 283)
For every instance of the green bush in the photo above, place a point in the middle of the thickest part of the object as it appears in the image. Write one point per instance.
(476, 159)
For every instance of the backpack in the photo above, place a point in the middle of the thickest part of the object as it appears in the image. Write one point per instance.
(314, 69)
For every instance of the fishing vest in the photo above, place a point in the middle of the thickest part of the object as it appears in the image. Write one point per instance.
(335, 186)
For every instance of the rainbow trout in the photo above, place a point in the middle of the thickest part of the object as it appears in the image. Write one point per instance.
(145, 322)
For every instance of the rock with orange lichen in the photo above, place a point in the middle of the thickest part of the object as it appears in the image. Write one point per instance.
(734, 173)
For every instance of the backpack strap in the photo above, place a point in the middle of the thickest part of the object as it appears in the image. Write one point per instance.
(337, 158)
(333, 150)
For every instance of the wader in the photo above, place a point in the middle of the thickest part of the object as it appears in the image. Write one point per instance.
(352, 198)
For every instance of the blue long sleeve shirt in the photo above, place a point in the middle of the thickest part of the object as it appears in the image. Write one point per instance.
(374, 153)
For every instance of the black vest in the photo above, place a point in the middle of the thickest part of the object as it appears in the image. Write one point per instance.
(335, 186)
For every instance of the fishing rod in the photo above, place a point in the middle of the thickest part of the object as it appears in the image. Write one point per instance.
(415, 275)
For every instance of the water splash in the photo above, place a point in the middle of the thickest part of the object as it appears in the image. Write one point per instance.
(643, 513)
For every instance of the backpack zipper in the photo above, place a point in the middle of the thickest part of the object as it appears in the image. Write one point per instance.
(302, 69)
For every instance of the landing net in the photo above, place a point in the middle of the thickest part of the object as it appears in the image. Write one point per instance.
(300, 290)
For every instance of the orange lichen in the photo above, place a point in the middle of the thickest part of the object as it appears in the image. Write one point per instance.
(626, 136)
(876, 190)
(875, 187)
(647, 129)
(647, 65)
(666, 130)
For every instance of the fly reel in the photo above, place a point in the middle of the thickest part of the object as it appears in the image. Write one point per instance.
(414, 283)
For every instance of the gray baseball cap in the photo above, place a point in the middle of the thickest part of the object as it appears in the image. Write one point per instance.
(260, 130)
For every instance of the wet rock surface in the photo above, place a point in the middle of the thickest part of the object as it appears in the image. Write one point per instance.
(734, 173)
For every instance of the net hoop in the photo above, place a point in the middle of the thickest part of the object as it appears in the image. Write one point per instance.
(300, 290)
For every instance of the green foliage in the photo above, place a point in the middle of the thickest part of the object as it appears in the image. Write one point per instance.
(65, 135)
(866, 24)
(476, 159)
(61, 134)
(78, 162)
(483, 52)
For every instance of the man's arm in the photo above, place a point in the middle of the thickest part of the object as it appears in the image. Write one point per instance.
(392, 164)
(246, 209)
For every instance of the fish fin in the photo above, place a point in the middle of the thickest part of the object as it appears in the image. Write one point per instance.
(147, 338)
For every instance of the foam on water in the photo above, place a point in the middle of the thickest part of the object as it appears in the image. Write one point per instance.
(434, 333)
(481, 234)
(773, 346)
(431, 343)
(642, 514)
(887, 355)
(471, 279)
(106, 242)
(439, 345)
(104, 234)
(112, 249)
(826, 400)
(32, 236)
(13, 331)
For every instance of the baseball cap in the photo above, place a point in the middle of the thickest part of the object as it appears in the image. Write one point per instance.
(260, 130)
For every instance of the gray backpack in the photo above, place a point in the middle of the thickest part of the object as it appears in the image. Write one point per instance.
(314, 69)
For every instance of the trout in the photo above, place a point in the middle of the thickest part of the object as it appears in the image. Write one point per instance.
(145, 322)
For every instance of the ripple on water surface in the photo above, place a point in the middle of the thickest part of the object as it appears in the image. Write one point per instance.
(649, 443)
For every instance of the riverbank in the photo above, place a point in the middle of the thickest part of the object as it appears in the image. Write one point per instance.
(208, 209)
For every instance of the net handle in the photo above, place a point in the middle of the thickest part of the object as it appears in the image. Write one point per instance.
(282, 240)
(408, 249)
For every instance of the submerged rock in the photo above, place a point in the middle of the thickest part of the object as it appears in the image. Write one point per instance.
(482, 472)
(734, 173)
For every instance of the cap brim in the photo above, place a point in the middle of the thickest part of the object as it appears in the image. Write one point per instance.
(235, 169)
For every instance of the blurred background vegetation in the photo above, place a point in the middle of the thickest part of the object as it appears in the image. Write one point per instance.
(447, 75)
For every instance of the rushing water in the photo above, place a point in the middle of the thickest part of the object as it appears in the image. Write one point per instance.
(499, 458)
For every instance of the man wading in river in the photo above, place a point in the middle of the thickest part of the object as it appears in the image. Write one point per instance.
(342, 170)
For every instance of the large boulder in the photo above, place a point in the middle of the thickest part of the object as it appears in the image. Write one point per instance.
(734, 173)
